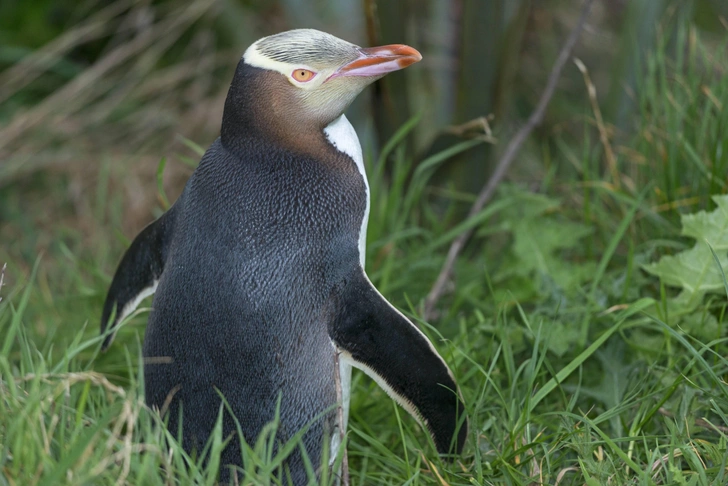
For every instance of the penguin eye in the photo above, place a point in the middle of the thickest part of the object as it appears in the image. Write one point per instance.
(303, 75)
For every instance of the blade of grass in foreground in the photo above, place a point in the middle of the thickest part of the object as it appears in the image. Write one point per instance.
(694, 352)
(77, 449)
(396, 139)
(614, 447)
(720, 267)
(638, 306)
(18, 313)
(606, 258)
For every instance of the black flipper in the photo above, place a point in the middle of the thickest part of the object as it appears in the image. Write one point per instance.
(376, 338)
(138, 272)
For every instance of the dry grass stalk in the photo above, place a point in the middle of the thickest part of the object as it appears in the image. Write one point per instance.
(563, 472)
(434, 470)
(2, 278)
(340, 416)
(69, 379)
(34, 65)
(78, 114)
(477, 128)
(601, 127)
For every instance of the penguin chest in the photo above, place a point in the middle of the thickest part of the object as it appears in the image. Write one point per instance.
(343, 137)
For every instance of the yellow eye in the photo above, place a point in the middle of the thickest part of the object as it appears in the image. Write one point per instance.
(303, 75)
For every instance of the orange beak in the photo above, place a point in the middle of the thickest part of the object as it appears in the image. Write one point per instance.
(377, 61)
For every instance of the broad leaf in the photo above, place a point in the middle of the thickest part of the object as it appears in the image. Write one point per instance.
(695, 270)
(540, 238)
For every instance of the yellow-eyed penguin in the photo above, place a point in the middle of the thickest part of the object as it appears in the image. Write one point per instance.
(258, 267)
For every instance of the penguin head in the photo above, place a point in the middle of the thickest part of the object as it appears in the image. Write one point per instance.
(307, 78)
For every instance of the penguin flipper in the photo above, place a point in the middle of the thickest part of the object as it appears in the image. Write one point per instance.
(378, 339)
(138, 273)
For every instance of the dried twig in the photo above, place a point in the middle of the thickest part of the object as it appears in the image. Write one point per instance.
(344, 477)
(477, 128)
(603, 133)
(505, 162)
(2, 279)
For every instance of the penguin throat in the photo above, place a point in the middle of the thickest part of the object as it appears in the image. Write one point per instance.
(341, 134)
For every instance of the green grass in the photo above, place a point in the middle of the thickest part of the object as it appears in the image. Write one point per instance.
(575, 366)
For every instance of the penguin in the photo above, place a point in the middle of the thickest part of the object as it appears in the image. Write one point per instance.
(257, 270)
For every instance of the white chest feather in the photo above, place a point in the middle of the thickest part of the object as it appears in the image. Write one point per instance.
(342, 136)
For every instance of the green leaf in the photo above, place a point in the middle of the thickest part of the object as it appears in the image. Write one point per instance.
(696, 270)
(638, 306)
(561, 336)
(540, 235)
(537, 243)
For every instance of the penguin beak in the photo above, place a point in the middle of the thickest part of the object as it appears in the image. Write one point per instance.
(378, 61)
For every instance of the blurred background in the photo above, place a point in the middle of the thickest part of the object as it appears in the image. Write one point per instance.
(94, 93)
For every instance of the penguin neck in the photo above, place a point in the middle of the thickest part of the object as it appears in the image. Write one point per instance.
(250, 117)
(261, 106)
